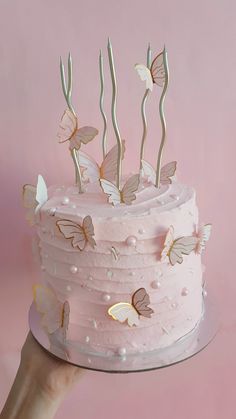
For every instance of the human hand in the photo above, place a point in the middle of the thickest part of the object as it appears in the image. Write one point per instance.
(41, 383)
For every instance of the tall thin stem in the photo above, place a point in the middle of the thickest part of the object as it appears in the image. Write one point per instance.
(67, 91)
(162, 118)
(113, 113)
(143, 109)
(104, 137)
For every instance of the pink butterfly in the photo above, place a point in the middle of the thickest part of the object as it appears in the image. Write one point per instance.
(69, 131)
(108, 169)
(156, 73)
(167, 172)
(80, 235)
(174, 249)
(54, 314)
(126, 195)
(131, 312)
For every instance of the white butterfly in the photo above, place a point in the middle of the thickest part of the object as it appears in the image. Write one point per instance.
(132, 312)
(174, 249)
(154, 75)
(167, 172)
(69, 131)
(126, 195)
(34, 198)
(54, 314)
(108, 169)
(203, 236)
(80, 235)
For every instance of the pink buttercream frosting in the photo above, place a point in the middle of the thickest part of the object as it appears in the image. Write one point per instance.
(94, 279)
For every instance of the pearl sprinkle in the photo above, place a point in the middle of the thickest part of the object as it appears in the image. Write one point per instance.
(73, 269)
(131, 241)
(106, 297)
(122, 351)
(156, 284)
(65, 200)
(184, 292)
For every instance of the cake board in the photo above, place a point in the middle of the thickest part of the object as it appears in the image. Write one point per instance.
(183, 349)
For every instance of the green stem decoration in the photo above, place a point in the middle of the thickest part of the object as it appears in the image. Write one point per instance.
(143, 109)
(162, 118)
(113, 113)
(104, 139)
(67, 91)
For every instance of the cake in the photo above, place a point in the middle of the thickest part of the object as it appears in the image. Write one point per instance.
(120, 255)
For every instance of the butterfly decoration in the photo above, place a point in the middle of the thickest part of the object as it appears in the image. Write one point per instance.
(131, 312)
(108, 169)
(69, 131)
(126, 195)
(54, 314)
(174, 249)
(167, 172)
(203, 236)
(154, 75)
(80, 235)
(34, 197)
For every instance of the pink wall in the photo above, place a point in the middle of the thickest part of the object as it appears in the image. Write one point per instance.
(201, 110)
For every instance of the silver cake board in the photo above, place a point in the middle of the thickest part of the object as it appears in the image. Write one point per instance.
(181, 350)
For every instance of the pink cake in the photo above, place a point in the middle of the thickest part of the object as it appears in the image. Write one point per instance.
(120, 257)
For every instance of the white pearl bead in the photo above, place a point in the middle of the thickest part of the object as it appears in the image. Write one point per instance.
(132, 273)
(141, 231)
(106, 297)
(90, 277)
(65, 200)
(156, 284)
(122, 351)
(73, 269)
(109, 273)
(174, 305)
(131, 241)
(184, 291)
(204, 293)
(87, 339)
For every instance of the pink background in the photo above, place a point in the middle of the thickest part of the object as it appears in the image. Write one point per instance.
(200, 109)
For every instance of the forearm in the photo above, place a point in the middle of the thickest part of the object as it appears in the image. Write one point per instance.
(27, 400)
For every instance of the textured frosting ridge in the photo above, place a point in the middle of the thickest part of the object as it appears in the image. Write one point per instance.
(94, 279)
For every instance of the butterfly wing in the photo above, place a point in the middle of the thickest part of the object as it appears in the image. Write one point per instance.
(180, 247)
(145, 75)
(203, 236)
(41, 192)
(129, 189)
(148, 171)
(89, 230)
(111, 190)
(49, 307)
(124, 312)
(82, 135)
(141, 301)
(74, 232)
(158, 70)
(168, 243)
(90, 166)
(67, 127)
(108, 168)
(167, 172)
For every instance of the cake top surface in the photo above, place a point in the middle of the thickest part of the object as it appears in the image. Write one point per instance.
(67, 201)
